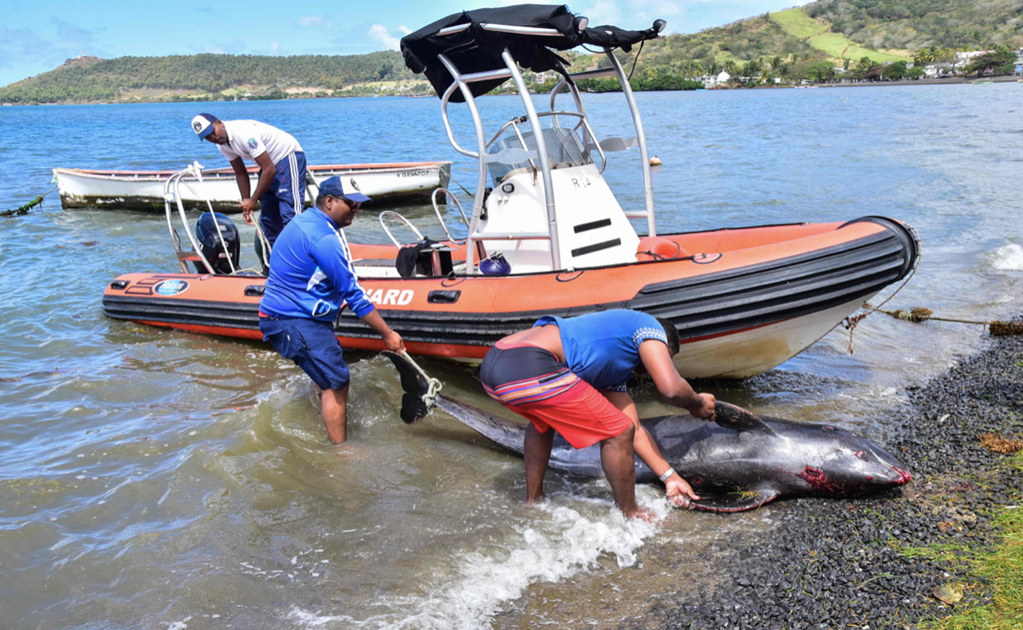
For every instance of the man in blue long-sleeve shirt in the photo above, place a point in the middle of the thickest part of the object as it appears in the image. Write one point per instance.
(311, 277)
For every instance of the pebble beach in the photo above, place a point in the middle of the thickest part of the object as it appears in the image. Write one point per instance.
(875, 563)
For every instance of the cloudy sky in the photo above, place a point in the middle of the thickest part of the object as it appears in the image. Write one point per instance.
(35, 38)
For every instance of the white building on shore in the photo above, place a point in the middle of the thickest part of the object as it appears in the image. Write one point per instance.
(711, 81)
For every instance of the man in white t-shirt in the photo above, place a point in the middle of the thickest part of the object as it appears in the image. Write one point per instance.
(281, 187)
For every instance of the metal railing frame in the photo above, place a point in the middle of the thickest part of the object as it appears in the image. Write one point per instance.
(461, 82)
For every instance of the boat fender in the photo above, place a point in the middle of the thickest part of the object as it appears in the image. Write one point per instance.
(657, 248)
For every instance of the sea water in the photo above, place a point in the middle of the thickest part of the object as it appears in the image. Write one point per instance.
(160, 479)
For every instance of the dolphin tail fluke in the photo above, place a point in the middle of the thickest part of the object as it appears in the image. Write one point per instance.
(735, 502)
(510, 435)
(415, 385)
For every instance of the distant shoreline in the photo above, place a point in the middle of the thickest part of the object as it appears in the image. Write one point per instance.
(956, 81)
(913, 82)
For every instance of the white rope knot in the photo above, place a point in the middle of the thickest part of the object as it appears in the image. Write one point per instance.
(430, 397)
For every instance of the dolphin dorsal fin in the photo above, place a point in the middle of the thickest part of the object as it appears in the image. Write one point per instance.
(735, 501)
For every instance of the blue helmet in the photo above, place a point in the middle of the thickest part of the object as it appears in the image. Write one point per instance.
(495, 265)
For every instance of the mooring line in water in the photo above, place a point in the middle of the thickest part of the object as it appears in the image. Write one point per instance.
(20, 210)
(852, 321)
(919, 314)
(459, 184)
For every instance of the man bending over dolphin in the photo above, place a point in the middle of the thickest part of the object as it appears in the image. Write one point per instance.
(569, 375)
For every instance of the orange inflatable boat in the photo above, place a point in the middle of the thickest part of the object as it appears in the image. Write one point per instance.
(547, 236)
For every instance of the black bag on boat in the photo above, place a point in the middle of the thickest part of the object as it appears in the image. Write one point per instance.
(221, 254)
(412, 259)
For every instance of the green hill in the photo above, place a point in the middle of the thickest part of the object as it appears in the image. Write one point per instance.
(806, 42)
(915, 24)
(794, 44)
(198, 77)
(822, 36)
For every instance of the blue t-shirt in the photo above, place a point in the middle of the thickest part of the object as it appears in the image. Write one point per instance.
(603, 348)
(311, 273)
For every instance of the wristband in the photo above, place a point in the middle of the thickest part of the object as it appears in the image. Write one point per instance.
(666, 475)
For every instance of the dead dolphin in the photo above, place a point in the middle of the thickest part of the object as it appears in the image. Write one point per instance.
(730, 470)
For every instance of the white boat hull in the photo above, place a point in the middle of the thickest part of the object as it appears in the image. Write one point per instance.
(143, 190)
(750, 352)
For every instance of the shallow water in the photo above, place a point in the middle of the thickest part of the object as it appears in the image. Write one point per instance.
(153, 478)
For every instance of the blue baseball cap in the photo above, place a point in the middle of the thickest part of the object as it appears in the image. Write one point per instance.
(203, 125)
(332, 186)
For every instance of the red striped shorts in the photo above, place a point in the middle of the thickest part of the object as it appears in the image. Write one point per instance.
(531, 382)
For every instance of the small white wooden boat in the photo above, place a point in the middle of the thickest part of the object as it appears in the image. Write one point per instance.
(143, 190)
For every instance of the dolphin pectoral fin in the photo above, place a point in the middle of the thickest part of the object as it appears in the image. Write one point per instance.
(739, 419)
(735, 502)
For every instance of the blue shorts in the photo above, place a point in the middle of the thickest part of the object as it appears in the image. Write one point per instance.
(286, 195)
(311, 345)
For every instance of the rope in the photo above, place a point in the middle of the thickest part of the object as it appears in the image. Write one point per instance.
(20, 210)
(471, 196)
(919, 314)
(430, 397)
(853, 321)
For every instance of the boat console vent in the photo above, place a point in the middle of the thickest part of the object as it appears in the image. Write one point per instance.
(596, 247)
(592, 225)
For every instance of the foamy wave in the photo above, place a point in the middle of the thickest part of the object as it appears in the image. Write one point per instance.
(550, 549)
(1008, 258)
(307, 619)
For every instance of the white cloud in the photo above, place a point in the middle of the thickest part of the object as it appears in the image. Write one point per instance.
(380, 33)
(664, 9)
(22, 47)
(274, 47)
(632, 14)
(404, 29)
(235, 47)
(603, 12)
(315, 21)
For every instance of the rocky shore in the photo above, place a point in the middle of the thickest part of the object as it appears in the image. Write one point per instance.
(875, 563)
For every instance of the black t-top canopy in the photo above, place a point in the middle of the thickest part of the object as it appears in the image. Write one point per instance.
(477, 50)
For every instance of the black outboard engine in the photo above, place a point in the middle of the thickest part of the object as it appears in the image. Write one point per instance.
(213, 248)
